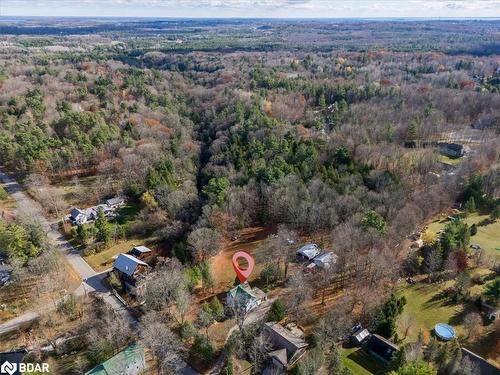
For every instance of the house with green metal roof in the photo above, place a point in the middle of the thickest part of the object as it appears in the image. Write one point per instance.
(130, 361)
(246, 297)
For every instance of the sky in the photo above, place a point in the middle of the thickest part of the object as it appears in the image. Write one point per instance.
(253, 8)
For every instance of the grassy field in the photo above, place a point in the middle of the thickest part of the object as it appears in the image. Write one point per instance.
(429, 304)
(360, 362)
(488, 236)
(103, 260)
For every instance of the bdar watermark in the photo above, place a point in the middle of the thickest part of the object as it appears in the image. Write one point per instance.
(11, 368)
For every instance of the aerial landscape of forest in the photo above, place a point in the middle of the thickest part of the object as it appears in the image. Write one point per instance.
(250, 196)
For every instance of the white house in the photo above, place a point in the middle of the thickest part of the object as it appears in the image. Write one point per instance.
(78, 216)
(115, 202)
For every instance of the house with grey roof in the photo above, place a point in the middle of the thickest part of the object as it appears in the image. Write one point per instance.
(453, 150)
(287, 345)
(325, 260)
(308, 251)
(128, 268)
(481, 365)
(78, 217)
(140, 252)
(115, 202)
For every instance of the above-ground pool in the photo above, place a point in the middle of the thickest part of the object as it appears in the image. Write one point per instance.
(444, 331)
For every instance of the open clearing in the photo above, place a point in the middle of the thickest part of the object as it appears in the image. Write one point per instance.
(486, 237)
(429, 304)
(250, 240)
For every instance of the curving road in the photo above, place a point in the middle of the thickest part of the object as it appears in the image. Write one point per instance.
(91, 280)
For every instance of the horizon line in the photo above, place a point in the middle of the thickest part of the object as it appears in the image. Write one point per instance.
(255, 18)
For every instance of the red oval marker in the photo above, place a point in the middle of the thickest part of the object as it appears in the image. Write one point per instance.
(243, 275)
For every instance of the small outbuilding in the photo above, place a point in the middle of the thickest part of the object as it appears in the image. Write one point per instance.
(359, 335)
(325, 260)
(140, 252)
(308, 252)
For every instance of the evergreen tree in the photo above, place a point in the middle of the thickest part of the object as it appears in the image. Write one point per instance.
(103, 228)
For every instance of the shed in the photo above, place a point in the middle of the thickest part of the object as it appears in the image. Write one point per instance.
(140, 252)
(325, 260)
(359, 335)
(309, 251)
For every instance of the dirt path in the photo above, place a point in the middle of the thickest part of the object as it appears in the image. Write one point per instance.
(249, 240)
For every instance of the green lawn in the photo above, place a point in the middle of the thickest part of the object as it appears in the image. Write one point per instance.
(127, 213)
(360, 362)
(488, 236)
(428, 304)
(103, 260)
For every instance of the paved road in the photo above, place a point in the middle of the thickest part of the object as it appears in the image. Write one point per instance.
(91, 280)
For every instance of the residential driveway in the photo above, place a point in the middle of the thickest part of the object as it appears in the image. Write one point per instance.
(91, 280)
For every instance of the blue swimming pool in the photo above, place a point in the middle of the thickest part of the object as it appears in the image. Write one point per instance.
(444, 331)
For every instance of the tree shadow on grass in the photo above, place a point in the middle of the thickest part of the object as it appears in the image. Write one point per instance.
(369, 363)
(439, 299)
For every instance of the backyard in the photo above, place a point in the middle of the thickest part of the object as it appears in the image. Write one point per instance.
(429, 304)
(103, 260)
(486, 237)
(360, 362)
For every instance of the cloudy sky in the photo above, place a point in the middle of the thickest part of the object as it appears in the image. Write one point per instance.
(253, 8)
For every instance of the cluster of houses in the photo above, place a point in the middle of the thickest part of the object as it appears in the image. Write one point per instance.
(82, 216)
